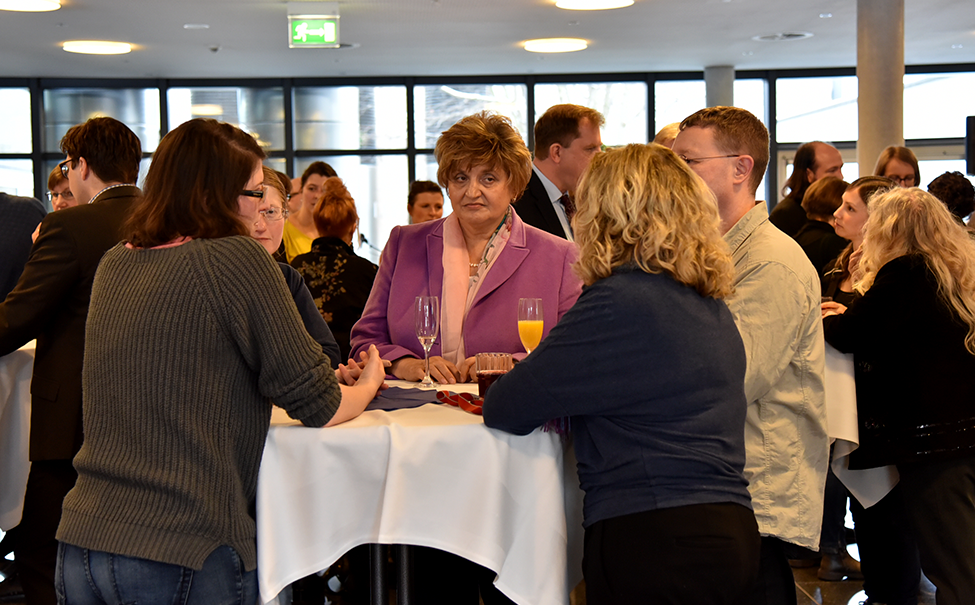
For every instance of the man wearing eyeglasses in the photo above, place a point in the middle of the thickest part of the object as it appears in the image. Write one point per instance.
(776, 307)
(813, 161)
(50, 303)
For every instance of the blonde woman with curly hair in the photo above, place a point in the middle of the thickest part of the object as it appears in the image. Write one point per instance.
(912, 334)
(649, 367)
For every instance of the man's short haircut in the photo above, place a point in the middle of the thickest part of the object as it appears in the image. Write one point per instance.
(823, 197)
(418, 187)
(956, 192)
(735, 131)
(319, 168)
(795, 187)
(112, 151)
(560, 124)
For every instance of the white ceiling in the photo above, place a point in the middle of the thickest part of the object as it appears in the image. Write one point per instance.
(462, 37)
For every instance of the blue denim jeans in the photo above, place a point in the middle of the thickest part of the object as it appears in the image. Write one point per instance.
(91, 577)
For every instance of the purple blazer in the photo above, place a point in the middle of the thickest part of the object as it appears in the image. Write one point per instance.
(533, 264)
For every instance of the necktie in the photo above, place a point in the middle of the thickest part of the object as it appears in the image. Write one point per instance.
(568, 205)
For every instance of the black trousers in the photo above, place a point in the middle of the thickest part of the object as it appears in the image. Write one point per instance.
(36, 549)
(888, 554)
(775, 585)
(702, 554)
(940, 501)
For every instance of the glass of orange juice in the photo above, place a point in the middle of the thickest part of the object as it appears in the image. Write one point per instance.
(530, 322)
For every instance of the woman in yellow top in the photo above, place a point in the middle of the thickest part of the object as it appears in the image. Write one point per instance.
(300, 230)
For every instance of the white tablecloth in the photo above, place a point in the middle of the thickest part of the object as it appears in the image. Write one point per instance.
(15, 372)
(867, 486)
(430, 476)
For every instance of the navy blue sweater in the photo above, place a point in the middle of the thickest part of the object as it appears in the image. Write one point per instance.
(651, 374)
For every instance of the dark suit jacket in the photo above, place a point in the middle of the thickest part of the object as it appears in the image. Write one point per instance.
(535, 208)
(19, 217)
(50, 303)
(789, 216)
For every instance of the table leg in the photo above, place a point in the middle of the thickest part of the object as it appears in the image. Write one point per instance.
(378, 592)
(404, 580)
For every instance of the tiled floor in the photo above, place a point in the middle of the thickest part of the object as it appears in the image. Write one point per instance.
(810, 590)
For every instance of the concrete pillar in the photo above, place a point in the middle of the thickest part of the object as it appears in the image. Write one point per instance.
(719, 84)
(880, 76)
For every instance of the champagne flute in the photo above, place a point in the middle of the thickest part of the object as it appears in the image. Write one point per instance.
(530, 322)
(426, 315)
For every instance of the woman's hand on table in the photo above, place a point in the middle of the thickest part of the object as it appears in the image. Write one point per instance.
(411, 368)
(369, 382)
(832, 308)
(349, 373)
(468, 371)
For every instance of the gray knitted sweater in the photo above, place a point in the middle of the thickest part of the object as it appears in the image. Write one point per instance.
(185, 349)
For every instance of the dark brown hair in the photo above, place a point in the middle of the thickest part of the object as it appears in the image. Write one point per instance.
(823, 197)
(956, 192)
(560, 124)
(795, 187)
(194, 184)
(112, 151)
(418, 187)
(736, 131)
(335, 213)
(319, 168)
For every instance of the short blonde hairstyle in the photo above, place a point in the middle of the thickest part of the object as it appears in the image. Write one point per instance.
(484, 139)
(906, 221)
(641, 204)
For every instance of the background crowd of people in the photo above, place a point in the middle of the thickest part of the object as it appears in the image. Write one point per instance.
(684, 340)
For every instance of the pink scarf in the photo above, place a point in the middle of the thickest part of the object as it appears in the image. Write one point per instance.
(459, 286)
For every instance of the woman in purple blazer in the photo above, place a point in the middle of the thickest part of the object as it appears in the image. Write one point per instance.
(479, 260)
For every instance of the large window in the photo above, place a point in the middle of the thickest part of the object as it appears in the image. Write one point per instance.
(623, 104)
(15, 136)
(816, 109)
(350, 117)
(259, 111)
(438, 107)
(936, 105)
(137, 108)
(380, 133)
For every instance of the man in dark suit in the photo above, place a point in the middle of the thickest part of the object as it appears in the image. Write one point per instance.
(50, 303)
(566, 139)
(19, 216)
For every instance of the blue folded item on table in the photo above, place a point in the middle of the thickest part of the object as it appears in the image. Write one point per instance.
(398, 398)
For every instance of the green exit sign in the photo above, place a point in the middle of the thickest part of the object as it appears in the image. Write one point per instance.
(313, 32)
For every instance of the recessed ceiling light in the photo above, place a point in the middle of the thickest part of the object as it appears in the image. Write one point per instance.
(957, 46)
(592, 5)
(30, 6)
(97, 47)
(196, 26)
(555, 45)
(825, 15)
